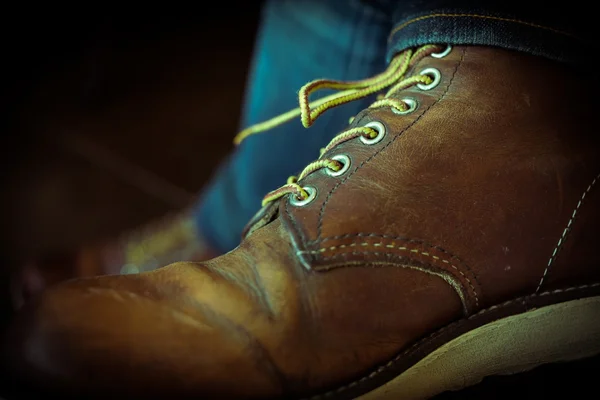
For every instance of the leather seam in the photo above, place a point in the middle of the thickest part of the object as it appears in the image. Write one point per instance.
(407, 240)
(401, 248)
(297, 228)
(565, 234)
(442, 95)
(455, 284)
(437, 333)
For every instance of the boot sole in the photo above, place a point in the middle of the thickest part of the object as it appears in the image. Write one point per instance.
(557, 333)
(509, 338)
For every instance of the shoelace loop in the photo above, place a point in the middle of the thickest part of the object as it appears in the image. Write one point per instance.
(393, 78)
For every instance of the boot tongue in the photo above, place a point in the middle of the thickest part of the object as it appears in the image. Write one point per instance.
(263, 217)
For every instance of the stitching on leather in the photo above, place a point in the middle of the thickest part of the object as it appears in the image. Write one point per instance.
(407, 240)
(430, 269)
(291, 218)
(412, 348)
(322, 210)
(401, 248)
(530, 24)
(565, 234)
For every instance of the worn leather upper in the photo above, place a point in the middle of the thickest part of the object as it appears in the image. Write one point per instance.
(485, 193)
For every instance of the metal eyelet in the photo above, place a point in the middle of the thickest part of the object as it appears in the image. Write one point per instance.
(345, 160)
(444, 53)
(412, 106)
(379, 127)
(437, 77)
(312, 193)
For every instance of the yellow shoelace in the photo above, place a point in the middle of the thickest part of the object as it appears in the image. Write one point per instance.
(393, 76)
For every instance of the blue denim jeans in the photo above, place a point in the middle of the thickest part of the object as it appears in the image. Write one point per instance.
(298, 41)
(559, 32)
(301, 40)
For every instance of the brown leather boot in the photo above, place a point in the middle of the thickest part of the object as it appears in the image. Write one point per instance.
(449, 234)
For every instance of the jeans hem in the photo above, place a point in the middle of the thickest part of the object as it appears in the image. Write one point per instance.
(486, 30)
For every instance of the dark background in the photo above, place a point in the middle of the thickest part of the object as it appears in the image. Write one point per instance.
(115, 118)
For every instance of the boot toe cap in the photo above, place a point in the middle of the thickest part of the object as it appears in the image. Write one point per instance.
(89, 337)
